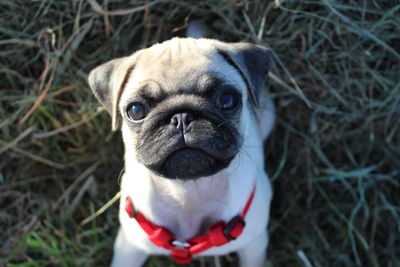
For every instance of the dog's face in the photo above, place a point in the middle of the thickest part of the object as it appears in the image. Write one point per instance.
(182, 102)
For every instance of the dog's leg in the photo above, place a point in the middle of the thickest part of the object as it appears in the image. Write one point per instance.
(126, 254)
(255, 253)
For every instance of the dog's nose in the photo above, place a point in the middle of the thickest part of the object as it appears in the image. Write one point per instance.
(182, 121)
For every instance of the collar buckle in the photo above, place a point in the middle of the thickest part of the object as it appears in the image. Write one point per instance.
(180, 244)
(129, 208)
(234, 227)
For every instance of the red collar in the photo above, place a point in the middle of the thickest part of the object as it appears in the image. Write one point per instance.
(219, 234)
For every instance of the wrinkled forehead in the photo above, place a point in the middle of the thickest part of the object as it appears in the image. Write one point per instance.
(181, 65)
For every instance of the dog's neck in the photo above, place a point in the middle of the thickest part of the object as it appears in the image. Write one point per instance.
(190, 195)
(187, 208)
(191, 205)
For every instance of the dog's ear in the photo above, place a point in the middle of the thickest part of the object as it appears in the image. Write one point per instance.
(253, 62)
(107, 82)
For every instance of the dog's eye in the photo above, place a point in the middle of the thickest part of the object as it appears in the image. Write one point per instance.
(136, 111)
(227, 101)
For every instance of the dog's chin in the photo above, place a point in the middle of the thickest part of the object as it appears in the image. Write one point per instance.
(190, 163)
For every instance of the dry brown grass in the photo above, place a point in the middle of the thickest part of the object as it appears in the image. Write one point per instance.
(333, 157)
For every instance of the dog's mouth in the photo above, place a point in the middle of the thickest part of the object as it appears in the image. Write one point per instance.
(191, 163)
(187, 147)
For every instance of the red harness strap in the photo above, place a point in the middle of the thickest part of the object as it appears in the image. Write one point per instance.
(219, 234)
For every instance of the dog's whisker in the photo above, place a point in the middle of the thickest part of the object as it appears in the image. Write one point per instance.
(120, 175)
(251, 159)
(222, 123)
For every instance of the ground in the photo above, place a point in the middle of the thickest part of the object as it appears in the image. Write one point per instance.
(333, 157)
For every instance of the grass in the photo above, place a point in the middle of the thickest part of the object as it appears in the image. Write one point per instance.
(333, 158)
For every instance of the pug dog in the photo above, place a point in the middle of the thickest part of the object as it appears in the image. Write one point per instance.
(194, 114)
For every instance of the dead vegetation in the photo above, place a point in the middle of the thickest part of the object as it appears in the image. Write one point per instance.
(333, 158)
